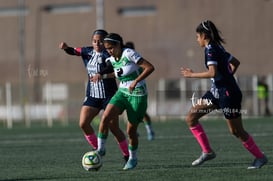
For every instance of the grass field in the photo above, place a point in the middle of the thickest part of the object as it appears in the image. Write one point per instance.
(41, 153)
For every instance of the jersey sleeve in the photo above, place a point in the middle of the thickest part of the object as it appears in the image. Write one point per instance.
(132, 55)
(212, 56)
(73, 51)
(69, 51)
(78, 51)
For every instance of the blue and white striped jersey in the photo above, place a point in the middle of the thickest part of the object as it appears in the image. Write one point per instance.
(95, 63)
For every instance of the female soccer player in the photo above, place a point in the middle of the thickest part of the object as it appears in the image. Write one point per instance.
(131, 69)
(147, 119)
(100, 89)
(224, 94)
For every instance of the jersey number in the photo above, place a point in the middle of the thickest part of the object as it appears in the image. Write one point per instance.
(119, 72)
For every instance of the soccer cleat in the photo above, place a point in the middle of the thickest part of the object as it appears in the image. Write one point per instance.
(258, 163)
(151, 136)
(204, 157)
(101, 152)
(131, 163)
(125, 158)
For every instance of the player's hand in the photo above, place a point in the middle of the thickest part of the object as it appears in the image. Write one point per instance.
(186, 72)
(63, 45)
(132, 86)
(95, 78)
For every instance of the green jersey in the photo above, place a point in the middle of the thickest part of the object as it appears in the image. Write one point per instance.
(127, 70)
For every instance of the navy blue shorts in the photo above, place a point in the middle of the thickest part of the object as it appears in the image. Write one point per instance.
(229, 102)
(96, 102)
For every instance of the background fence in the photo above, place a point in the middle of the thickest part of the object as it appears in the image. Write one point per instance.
(61, 102)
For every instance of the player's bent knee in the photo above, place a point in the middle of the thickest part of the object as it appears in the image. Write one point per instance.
(131, 133)
(83, 124)
(190, 120)
(235, 133)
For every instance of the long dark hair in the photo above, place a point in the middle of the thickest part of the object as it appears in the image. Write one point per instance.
(130, 44)
(211, 32)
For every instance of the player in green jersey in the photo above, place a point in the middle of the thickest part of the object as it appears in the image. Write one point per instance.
(131, 69)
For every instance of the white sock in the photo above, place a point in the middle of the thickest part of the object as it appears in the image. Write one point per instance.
(101, 144)
(148, 128)
(133, 154)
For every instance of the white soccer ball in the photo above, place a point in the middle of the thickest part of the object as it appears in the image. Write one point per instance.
(91, 161)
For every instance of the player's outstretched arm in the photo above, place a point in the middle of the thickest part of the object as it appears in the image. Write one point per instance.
(66, 48)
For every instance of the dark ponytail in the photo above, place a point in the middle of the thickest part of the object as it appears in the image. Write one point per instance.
(210, 30)
(130, 44)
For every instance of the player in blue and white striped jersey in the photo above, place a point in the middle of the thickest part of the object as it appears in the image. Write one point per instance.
(100, 88)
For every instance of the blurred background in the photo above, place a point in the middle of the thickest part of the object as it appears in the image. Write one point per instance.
(40, 83)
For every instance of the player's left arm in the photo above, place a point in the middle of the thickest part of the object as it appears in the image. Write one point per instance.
(98, 76)
(105, 73)
(234, 64)
(147, 67)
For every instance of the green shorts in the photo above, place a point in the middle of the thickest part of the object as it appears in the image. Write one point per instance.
(136, 106)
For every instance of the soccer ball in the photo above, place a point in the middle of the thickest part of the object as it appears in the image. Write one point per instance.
(91, 161)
